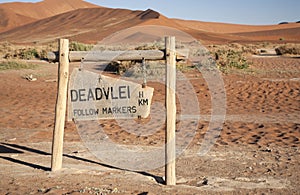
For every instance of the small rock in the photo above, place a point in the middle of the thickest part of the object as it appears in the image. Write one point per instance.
(242, 179)
(151, 178)
(42, 190)
(261, 126)
(115, 190)
(203, 182)
(30, 77)
(267, 150)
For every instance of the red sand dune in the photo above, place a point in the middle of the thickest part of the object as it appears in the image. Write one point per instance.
(231, 28)
(87, 25)
(81, 21)
(292, 34)
(244, 33)
(16, 14)
(10, 19)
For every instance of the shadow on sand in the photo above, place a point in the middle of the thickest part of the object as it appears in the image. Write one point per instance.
(12, 148)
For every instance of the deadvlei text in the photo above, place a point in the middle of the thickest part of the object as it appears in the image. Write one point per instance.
(97, 94)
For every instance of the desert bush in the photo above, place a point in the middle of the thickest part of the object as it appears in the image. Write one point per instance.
(247, 49)
(14, 65)
(23, 53)
(5, 48)
(289, 49)
(76, 46)
(230, 59)
(10, 51)
(184, 67)
(231, 56)
(28, 54)
(43, 54)
(156, 45)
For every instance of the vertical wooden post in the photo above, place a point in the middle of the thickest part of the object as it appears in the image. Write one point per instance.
(61, 105)
(170, 150)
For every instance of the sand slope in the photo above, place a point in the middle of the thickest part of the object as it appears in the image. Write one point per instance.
(81, 21)
(86, 25)
(16, 14)
(230, 28)
(290, 34)
(10, 19)
(241, 33)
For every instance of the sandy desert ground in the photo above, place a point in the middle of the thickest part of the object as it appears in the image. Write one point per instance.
(257, 151)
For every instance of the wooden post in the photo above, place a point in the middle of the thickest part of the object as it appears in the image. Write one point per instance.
(61, 104)
(170, 150)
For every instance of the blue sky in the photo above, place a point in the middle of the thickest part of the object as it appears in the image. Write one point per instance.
(255, 12)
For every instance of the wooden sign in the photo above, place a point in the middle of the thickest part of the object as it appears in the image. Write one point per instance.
(93, 96)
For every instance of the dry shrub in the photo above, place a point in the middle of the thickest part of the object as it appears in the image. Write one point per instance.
(14, 65)
(76, 46)
(288, 49)
(233, 56)
(26, 52)
(156, 45)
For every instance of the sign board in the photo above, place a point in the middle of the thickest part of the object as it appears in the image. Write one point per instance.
(92, 96)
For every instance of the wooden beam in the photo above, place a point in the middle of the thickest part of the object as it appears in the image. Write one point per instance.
(94, 56)
(171, 111)
(116, 55)
(61, 104)
(76, 56)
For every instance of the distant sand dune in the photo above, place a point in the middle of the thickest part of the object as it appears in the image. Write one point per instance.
(78, 20)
